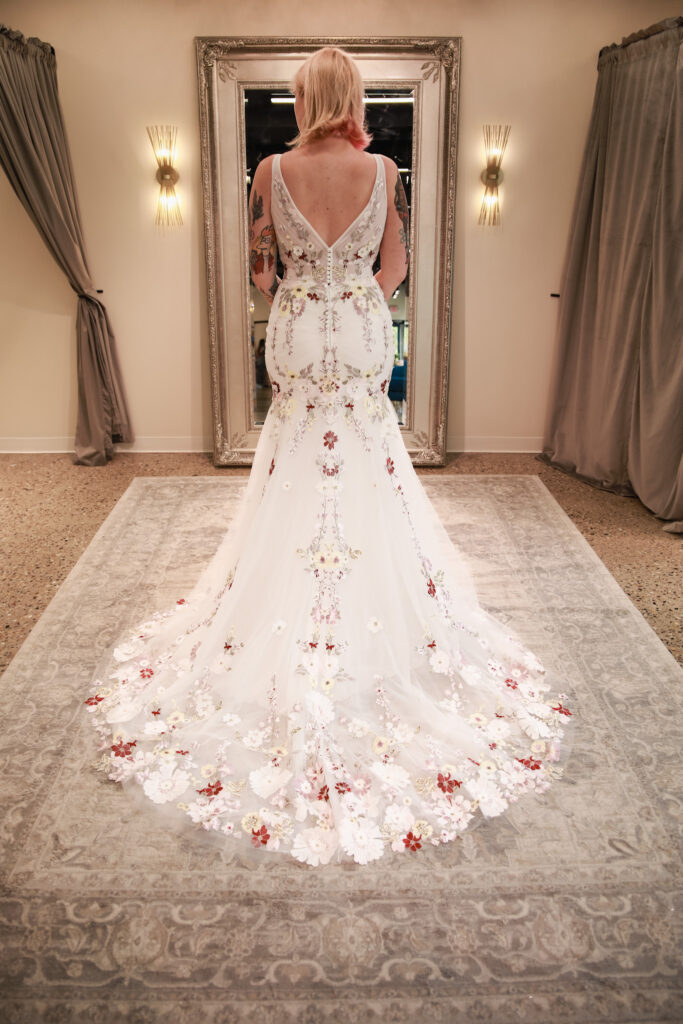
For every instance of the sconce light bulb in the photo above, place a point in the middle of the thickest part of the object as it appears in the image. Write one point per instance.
(495, 140)
(163, 140)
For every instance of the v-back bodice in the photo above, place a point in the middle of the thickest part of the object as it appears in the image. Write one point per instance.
(305, 255)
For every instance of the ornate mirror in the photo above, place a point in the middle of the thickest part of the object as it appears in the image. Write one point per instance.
(246, 113)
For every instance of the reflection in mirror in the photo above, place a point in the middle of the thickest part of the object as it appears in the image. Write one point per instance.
(269, 124)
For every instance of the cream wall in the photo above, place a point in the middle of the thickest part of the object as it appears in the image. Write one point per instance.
(127, 64)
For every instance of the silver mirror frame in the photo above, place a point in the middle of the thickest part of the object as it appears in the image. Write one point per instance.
(225, 67)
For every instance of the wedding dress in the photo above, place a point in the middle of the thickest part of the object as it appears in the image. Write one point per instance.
(331, 688)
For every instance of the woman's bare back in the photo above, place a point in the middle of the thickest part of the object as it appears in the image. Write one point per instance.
(330, 185)
(329, 188)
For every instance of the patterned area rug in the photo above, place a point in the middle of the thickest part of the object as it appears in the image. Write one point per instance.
(562, 909)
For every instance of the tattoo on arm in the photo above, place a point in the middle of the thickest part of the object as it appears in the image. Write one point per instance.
(256, 212)
(262, 248)
(262, 253)
(401, 204)
(256, 208)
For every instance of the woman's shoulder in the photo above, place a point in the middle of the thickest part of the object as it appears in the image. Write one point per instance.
(263, 169)
(390, 170)
(267, 161)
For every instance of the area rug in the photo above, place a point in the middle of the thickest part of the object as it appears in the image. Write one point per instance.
(563, 909)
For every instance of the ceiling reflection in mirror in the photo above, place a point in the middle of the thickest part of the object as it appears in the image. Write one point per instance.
(269, 125)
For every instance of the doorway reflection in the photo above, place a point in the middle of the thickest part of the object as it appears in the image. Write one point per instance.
(269, 123)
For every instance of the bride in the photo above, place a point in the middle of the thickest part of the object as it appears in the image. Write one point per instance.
(331, 688)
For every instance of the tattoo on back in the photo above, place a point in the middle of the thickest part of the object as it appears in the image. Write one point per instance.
(401, 204)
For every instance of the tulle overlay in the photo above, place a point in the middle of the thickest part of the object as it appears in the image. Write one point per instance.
(331, 688)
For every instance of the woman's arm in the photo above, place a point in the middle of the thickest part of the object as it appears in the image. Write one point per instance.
(394, 250)
(262, 240)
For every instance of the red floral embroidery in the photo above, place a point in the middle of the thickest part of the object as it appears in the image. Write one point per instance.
(512, 683)
(412, 841)
(446, 783)
(94, 701)
(157, 712)
(259, 837)
(390, 465)
(431, 589)
(122, 749)
(146, 673)
(181, 601)
(213, 789)
(530, 762)
(304, 256)
(562, 709)
(329, 439)
(343, 787)
(324, 793)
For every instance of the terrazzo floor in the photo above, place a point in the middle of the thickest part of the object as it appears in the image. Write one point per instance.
(50, 510)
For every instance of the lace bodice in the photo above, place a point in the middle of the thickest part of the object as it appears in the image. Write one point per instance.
(305, 256)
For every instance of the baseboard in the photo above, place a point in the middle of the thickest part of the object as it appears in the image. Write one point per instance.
(484, 443)
(56, 445)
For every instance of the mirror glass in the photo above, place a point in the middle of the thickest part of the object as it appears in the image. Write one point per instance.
(269, 124)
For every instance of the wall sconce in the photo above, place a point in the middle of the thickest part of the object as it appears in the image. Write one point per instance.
(163, 139)
(495, 140)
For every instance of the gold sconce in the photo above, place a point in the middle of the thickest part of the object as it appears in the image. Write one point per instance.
(163, 139)
(495, 140)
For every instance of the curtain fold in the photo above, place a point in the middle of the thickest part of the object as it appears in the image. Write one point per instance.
(615, 415)
(34, 154)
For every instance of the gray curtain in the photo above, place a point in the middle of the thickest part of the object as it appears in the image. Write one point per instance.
(34, 154)
(615, 416)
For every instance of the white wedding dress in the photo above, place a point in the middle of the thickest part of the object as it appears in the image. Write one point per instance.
(331, 688)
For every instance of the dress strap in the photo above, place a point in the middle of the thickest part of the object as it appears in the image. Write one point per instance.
(384, 184)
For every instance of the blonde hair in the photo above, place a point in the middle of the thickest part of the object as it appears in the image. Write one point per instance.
(332, 88)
